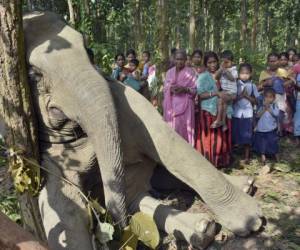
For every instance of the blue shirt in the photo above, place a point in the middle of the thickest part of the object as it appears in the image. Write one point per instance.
(116, 73)
(278, 85)
(243, 107)
(269, 120)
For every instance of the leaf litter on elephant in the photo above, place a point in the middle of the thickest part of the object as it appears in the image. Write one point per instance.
(144, 227)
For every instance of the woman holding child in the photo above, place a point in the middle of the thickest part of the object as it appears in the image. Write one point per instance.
(213, 143)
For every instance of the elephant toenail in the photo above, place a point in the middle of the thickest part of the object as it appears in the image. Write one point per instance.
(201, 226)
(246, 189)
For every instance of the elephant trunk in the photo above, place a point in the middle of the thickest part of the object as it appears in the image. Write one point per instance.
(98, 118)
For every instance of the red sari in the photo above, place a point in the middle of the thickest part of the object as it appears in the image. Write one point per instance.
(214, 144)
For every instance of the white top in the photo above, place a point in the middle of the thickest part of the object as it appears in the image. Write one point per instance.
(226, 84)
(243, 107)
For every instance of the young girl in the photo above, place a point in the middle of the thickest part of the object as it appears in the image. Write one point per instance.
(242, 122)
(265, 137)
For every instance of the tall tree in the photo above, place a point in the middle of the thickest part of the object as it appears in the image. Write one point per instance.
(163, 35)
(16, 108)
(254, 24)
(71, 13)
(192, 26)
(244, 22)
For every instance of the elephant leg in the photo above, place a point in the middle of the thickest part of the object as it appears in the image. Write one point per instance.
(233, 208)
(244, 183)
(198, 229)
(64, 215)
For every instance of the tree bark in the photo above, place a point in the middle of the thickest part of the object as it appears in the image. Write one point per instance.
(177, 26)
(16, 105)
(192, 25)
(71, 13)
(244, 22)
(137, 32)
(254, 25)
(163, 34)
(206, 24)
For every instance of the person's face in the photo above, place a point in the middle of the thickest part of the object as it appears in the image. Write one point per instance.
(145, 57)
(180, 60)
(188, 62)
(132, 67)
(226, 63)
(273, 63)
(296, 59)
(120, 61)
(197, 59)
(291, 54)
(269, 98)
(130, 57)
(283, 61)
(245, 74)
(212, 65)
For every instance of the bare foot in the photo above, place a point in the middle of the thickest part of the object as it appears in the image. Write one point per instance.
(244, 183)
(216, 124)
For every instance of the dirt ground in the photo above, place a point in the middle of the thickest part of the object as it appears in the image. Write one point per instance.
(278, 192)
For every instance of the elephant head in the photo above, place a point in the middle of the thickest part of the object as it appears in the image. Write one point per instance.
(74, 89)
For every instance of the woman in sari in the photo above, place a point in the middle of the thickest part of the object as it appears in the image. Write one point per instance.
(214, 144)
(179, 93)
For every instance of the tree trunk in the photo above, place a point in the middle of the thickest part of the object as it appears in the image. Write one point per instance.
(254, 25)
(16, 108)
(206, 24)
(177, 26)
(86, 7)
(244, 22)
(217, 34)
(163, 34)
(71, 13)
(192, 25)
(137, 32)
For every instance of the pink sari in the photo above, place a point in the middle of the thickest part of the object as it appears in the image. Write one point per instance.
(179, 109)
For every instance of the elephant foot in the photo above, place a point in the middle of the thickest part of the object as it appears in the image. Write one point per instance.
(244, 183)
(240, 213)
(197, 229)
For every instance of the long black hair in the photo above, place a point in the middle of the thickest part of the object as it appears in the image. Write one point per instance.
(208, 55)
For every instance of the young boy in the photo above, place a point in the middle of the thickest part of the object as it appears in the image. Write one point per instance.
(146, 64)
(227, 74)
(265, 137)
(242, 121)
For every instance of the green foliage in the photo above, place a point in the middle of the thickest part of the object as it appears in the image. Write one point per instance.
(26, 177)
(9, 205)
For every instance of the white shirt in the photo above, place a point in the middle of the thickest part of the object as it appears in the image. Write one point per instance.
(226, 84)
(243, 107)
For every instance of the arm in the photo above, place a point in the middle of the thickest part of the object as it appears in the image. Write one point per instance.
(273, 110)
(231, 76)
(219, 74)
(208, 95)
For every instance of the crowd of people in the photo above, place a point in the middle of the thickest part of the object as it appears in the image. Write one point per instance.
(214, 104)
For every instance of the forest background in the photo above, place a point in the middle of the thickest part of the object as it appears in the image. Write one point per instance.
(250, 28)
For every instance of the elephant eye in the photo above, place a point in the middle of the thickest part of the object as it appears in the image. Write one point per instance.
(56, 113)
(34, 75)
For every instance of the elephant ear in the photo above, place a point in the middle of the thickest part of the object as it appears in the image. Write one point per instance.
(144, 227)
